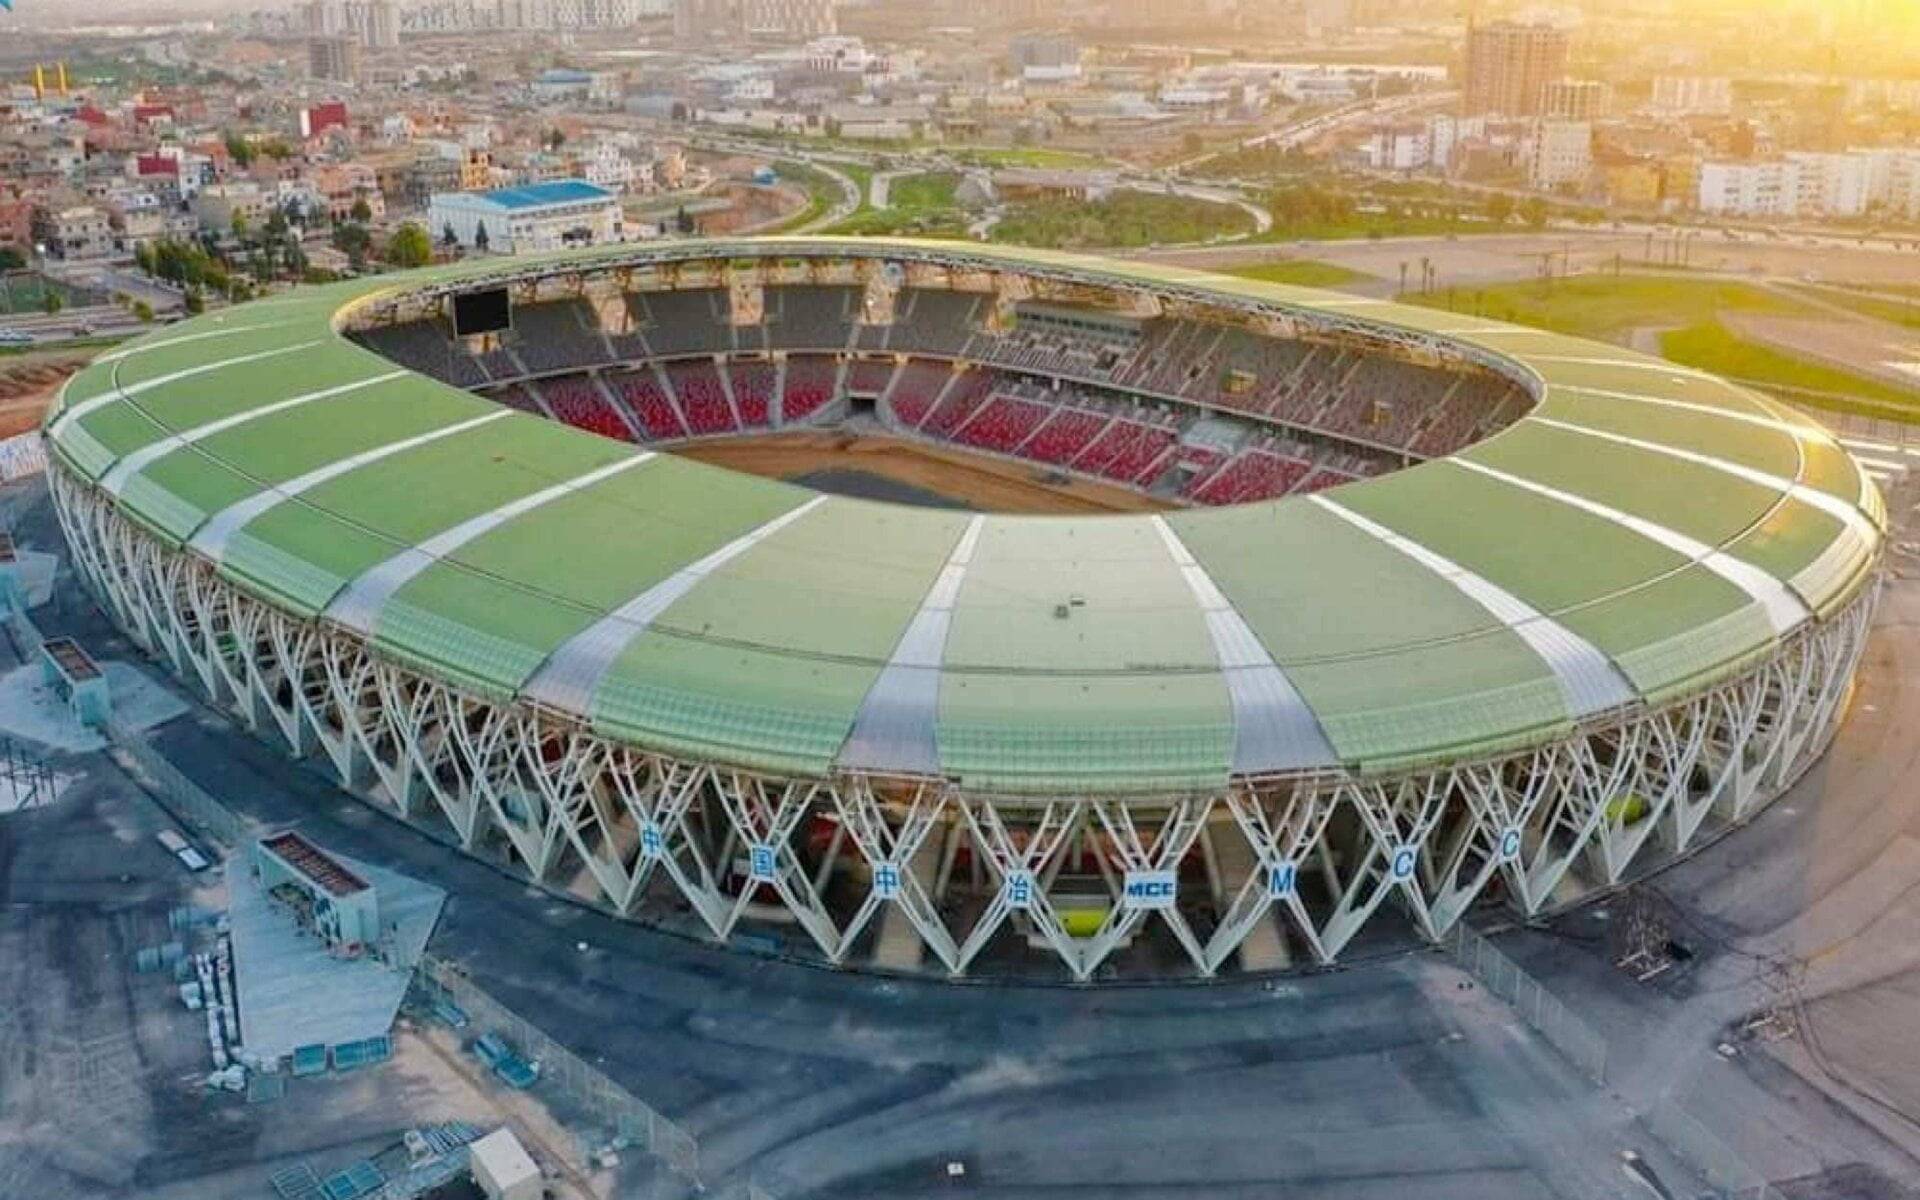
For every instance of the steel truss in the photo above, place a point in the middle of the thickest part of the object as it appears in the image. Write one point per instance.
(853, 860)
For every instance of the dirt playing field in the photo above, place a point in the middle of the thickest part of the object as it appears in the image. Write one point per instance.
(975, 481)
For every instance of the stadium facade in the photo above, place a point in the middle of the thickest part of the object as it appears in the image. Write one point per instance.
(1615, 607)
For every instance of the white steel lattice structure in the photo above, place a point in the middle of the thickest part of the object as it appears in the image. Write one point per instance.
(546, 786)
(1105, 825)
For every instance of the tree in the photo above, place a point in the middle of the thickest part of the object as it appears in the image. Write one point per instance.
(194, 302)
(143, 257)
(239, 149)
(480, 239)
(362, 211)
(555, 139)
(143, 312)
(1500, 208)
(448, 237)
(11, 259)
(409, 246)
(52, 302)
(1535, 212)
(239, 225)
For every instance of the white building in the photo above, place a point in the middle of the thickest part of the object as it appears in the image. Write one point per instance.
(1805, 184)
(539, 216)
(502, 1168)
(1831, 185)
(1559, 154)
(1762, 189)
(1404, 147)
(1685, 95)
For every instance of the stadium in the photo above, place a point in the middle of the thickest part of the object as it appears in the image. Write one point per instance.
(1346, 616)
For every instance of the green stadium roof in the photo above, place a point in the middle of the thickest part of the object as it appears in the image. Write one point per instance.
(1647, 531)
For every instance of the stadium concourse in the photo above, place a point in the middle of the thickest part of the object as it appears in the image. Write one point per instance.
(1449, 612)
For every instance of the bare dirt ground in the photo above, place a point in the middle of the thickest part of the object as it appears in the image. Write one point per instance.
(27, 385)
(987, 484)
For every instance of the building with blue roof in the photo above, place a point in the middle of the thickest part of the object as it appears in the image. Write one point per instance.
(536, 216)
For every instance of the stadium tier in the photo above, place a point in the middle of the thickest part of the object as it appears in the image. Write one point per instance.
(1370, 667)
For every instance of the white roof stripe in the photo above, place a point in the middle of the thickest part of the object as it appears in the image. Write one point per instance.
(1792, 428)
(1589, 680)
(1827, 503)
(116, 392)
(358, 605)
(1784, 610)
(1634, 364)
(1274, 728)
(572, 673)
(116, 476)
(142, 347)
(211, 538)
(897, 727)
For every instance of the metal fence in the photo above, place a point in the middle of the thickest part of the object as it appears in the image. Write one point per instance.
(1554, 1021)
(185, 800)
(619, 1118)
(1889, 430)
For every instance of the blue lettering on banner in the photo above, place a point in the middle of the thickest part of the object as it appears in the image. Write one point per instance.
(886, 881)
(1281, 879)
(761, 863)
(1403, 862)
(1019, 889)
(1510, 845)
(1148, 889)
(653, 843)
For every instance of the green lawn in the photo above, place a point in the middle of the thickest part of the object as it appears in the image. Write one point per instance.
(1713, 347)
(1906, 314)
(1301, 272)
(1688, 311)
(822, 192)
(1123, 219)
(1024, 156)
(26, 292)
(919, 205)
(1609, 307)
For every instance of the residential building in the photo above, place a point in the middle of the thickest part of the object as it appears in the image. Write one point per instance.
(540, 216)
(215, 205)
(1509, 65)
(1559, 154)
(76, 231)
(788, 19)
(1693, 95)
(1759, 189)
(334, 59)
(1577, 99)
